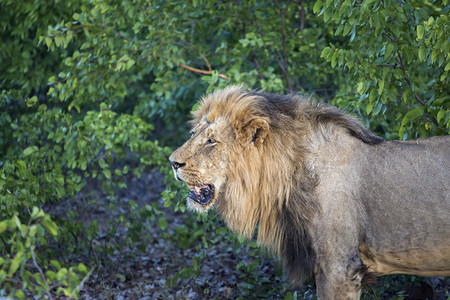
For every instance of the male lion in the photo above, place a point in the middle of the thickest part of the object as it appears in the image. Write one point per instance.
(329, 198)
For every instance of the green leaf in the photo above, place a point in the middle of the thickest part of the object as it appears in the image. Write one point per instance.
(334, 59)
(381, 87)
(240, 265)
(40, 230)
(420, 31)
(29, 150)
(360, 87)
(289, 296)
(48, 42)
(107, 173)
(317, 6)
(447, 67)
(422, 53)
(347, 28)
(15, 263)
(130, 63)
(412, 114)
(3, 226)
(82, 268)
(327, 15)
(102, 163)
(50, 226)
(221, 230)
(55, 264)
(162, 223)
(121, 277)
(369, 107)
(195, 107)
(62, 273)
(19, 295)
(58, 40)
(325, 52)
(389, 48)
(18, 223)
(440, 115)
(32, 101)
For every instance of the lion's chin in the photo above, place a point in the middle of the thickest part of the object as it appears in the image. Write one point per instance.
(197, 207)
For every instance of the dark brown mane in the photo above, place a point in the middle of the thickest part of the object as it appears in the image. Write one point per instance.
(296, 253)
(276, 105)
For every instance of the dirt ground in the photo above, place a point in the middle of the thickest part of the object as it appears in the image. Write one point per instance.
(130, 274)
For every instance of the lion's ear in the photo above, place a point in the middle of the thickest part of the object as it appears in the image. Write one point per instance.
(255, 132)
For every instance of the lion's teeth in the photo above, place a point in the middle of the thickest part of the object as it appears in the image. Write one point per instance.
(197, 190)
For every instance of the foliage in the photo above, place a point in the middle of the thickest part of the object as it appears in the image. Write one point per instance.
(92, 91)
(397, 56)
(26, 243)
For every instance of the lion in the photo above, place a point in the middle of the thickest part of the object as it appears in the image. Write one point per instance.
(328, 197)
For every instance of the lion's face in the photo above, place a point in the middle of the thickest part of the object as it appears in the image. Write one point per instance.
(202, 162)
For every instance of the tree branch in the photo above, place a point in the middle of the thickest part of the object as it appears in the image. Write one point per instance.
(195, 70)
(207, 62)
(255, 60)
(40, 272)
(80, 286)
(283, 41)
(402, 67)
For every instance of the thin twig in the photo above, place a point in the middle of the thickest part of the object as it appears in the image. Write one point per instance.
(302, 16)
(390, 38)
(283, 41)
(80, 286)
(40, 272)
(405, 76)
(383, 65)
(207, 62)
(255, 60)
(209, 72)
(373, 292)
(402, 67)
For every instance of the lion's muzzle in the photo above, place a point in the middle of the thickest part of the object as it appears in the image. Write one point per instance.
(199, 193)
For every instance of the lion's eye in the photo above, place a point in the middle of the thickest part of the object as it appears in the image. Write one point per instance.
(211, 141)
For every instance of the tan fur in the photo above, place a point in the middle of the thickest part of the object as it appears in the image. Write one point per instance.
(325, 193)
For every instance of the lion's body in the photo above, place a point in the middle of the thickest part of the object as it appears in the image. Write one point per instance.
(329, 198)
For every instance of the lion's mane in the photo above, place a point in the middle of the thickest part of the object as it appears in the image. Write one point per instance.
(271, 186)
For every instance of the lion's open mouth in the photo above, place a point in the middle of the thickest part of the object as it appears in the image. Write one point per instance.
(202, 194)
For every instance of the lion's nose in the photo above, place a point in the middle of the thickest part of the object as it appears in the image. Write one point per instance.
(176, 165)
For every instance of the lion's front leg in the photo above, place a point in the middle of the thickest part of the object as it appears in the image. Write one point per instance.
(339, 279)
(338, 270)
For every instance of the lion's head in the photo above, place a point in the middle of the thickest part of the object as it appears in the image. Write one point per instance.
(203, 162)
(241, 159)
(222, 137)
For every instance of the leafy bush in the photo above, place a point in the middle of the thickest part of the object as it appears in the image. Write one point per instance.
(397, 58)
(26, 244)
